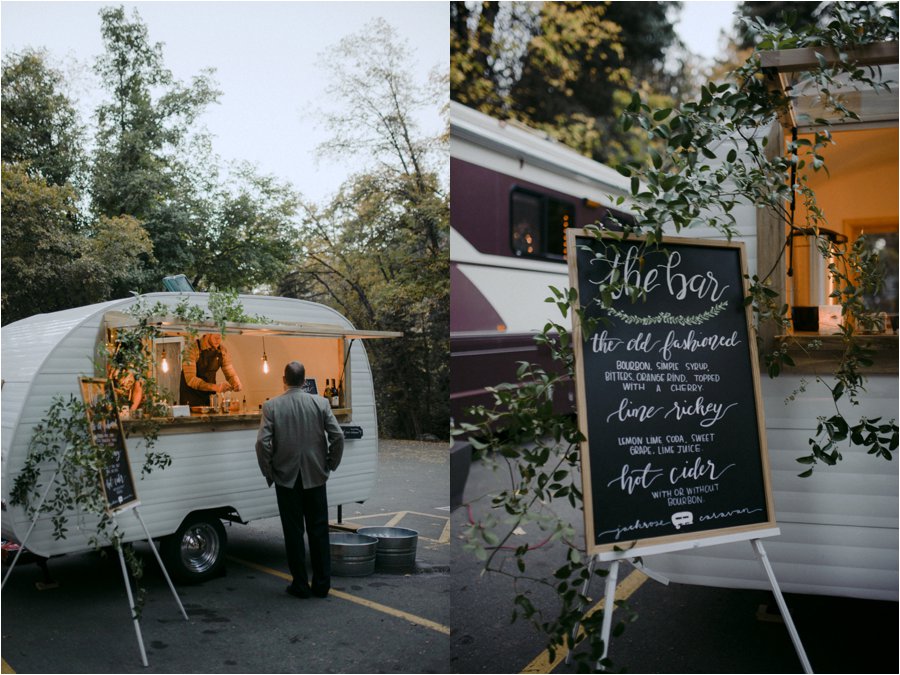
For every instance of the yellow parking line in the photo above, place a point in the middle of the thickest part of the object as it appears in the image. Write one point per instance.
(444, 537)
(4, 667)
(396, 519)
(400, 614)
(543, 664)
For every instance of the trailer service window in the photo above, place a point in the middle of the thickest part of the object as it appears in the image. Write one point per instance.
(258, 353)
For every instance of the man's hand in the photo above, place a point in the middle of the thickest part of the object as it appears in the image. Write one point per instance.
(222, 386)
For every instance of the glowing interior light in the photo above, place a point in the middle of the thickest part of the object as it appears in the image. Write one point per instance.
(164, 365)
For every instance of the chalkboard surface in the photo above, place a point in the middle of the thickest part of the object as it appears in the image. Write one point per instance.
(668, 393)
(116, 477)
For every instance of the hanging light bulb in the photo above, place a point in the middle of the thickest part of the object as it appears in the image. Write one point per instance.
(265, 360)
(165, 364)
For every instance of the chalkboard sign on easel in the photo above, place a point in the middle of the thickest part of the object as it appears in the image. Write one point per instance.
(668, 394)
(116, 478)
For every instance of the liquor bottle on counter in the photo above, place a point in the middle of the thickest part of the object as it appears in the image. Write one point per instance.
(327, 391)
(335, 403)
(340, 395)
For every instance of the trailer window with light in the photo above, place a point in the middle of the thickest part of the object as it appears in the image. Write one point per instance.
(858, 195)
(258, 354)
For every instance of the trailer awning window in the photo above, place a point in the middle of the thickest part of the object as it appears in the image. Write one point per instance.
(174, 324)
(876, 105)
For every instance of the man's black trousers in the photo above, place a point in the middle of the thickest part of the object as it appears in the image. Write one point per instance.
(310, 506)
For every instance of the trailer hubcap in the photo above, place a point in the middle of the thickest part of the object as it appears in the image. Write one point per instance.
(199, 547)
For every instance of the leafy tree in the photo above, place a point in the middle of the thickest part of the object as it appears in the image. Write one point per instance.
(251, 237)
(487, 43)
(796, 14)
(39, 123)
(141, 167)
(378, 251)
(47, 264)
(38, 239)
(567, 69)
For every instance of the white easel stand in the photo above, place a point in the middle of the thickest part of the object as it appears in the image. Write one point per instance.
(37, 510)
(612, 581)
(134, 614)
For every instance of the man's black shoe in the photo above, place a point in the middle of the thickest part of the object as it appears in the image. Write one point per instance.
(320, 593)
(298, 592)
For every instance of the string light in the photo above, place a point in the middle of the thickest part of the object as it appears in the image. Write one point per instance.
(165, 364)
(265, 360)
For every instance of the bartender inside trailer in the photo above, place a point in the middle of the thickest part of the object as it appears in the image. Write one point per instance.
(198, 372)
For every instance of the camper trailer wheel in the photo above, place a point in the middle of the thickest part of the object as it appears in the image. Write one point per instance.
(196, 552)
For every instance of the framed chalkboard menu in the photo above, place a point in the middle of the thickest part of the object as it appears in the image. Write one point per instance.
(668, 393)
(116, 477)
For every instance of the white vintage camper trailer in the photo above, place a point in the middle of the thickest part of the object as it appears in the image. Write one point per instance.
(839, 527)
(214, 473)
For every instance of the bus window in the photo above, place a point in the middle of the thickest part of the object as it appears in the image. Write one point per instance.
(525, 214)
(538, 224)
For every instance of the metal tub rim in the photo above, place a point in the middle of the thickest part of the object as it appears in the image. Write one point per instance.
(396, 548)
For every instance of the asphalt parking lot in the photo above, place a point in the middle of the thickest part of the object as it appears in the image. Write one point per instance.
(678, 629)
(244, 621)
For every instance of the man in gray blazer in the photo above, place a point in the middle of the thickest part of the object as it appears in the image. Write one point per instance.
(298, 444)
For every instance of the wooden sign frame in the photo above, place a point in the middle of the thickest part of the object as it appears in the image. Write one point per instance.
(632, 538)
(91, 387)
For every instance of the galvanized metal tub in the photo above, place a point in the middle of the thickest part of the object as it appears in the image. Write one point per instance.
(396, 548)
(352, 555)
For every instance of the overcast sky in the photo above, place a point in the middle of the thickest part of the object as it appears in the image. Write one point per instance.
(265, 57)
(266, 60)
(701, 23)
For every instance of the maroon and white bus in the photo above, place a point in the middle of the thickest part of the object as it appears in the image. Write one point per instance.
(515, 192)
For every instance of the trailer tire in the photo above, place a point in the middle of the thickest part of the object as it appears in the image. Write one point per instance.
(196, 552)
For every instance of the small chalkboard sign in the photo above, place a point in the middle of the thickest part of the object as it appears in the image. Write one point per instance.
(309, 386)
(352, 433)
(116, 478)
(668, 393)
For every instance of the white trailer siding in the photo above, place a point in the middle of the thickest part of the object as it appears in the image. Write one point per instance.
(43, 357)
(839, 527)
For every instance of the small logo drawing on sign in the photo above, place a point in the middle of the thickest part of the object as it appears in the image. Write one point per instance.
(682, 518)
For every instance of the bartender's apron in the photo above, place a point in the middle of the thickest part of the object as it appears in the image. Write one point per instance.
(208, 364)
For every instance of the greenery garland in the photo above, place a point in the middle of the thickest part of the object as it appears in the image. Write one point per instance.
(668, 317)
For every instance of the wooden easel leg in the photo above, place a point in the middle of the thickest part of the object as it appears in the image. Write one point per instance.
(584, 590)
(785, 614)
(609, 603)
(161, 565)
(134, 616)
